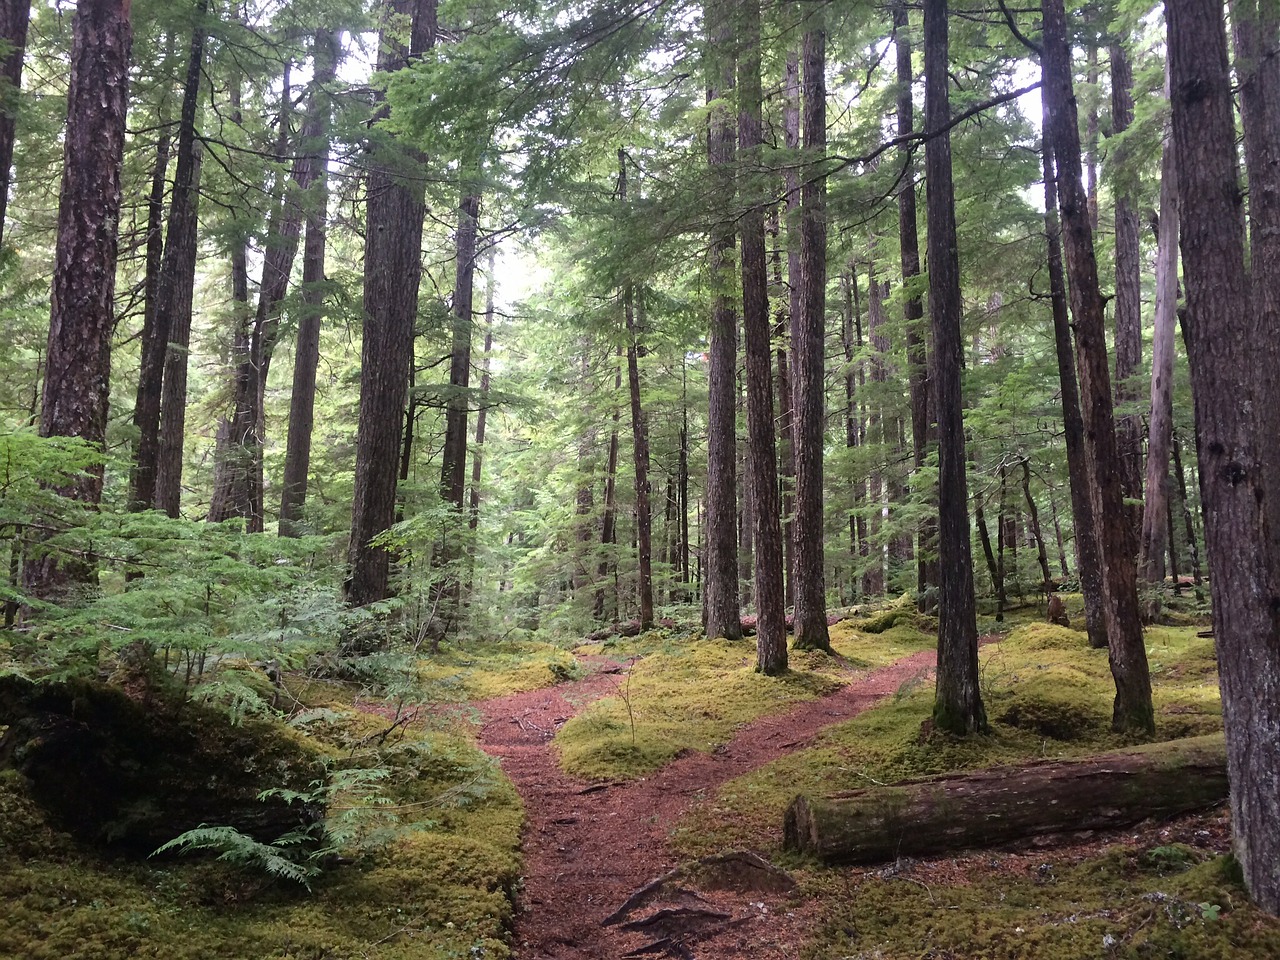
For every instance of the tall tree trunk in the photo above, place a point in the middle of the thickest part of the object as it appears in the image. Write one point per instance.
(1128, 300)
(722, 616)
(1057, 536)
(1160, 429)
(1189, 522)
(1092, 140)
(850, 403)
(76, 385)
(913, 302)
(1235, 425)
(1089, 562)
(1042, 556)
(993, 566)
(877, 428)
(794, 300)
(746, 523)
(1256, 26)
(609, 523)
(453, 468)
(170, 312)
(1002, 538)
(957, 702)
(1132, 710)
(771, 626)
(15, 16)
(482, 417)
(302, 400)
(782, 387)
(241, 491)
(640, 442)
(809, 347)
(392, 271)
(584, 500)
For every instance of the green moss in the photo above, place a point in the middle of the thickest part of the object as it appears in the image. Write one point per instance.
(443, 887)
(1047, 636)
(486, 670)
(691, 697)
(867, 650)
(1047, 691)
(1127, 902)
(901, 612)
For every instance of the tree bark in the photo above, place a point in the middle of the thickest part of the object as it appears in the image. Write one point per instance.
(1256, 31)
(1133, 710)
(609, 522)
(913, 303)
(786, 379)
(1128, 299)
(15, 17)
(809, 348)
(852, 307)
(1042, 555)
(786, 468)
(302, 400)
(453, 467)
(240, 492)
(170, 313)
(482, 418)
(988, 808)
(1236, 424)
(392, 271)
(77, 377)
(722, 616)
(640, 437)
(957, 702)
(1187, 518)
(881, 426)
(1088, 560)
(1160, 424)
(771, 625)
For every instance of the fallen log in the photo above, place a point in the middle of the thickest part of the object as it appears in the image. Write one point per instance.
(988, 808)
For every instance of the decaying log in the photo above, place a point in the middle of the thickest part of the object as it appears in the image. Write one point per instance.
(1000, 805)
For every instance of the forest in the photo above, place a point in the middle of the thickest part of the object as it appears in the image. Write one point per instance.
(621, 478)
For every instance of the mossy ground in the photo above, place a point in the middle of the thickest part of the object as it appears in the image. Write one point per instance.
(688, 693)
(1132, 902)
(489, 669)
(1047, 694)
(439, 885)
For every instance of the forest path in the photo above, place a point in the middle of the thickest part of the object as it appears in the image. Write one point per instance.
(588, 847)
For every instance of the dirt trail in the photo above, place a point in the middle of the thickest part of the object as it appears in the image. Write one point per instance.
(587, 849)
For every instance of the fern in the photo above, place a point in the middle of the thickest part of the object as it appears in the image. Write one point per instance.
(241, 849)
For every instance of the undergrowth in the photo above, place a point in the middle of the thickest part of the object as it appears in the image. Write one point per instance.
(424, 867)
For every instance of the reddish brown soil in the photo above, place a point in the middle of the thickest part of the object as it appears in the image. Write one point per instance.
(587, 848)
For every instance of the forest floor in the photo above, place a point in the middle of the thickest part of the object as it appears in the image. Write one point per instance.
(632, 855)
(589, 846)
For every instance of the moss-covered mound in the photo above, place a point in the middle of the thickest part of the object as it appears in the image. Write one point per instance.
(114, 770)
(483, 670)
(428, 872)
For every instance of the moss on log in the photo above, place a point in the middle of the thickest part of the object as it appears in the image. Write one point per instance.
(988, 808)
